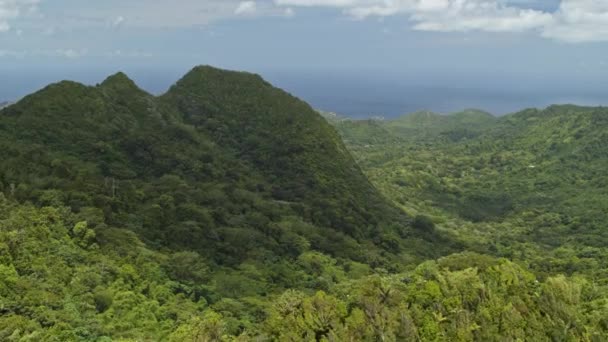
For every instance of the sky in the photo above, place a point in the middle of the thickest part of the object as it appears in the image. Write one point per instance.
(359, 57)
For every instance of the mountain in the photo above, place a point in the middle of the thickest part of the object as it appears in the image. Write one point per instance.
(229, 210)
(220, 157)
(4, 104)
(282, 138)
(223, 188)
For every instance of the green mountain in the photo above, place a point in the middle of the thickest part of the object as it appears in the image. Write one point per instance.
(244, 186)
(220, 156)
(229, 210)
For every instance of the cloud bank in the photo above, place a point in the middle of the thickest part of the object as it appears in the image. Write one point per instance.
(11, 9)
(571, 21)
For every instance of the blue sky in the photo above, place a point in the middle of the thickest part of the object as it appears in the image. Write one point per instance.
(464, 44)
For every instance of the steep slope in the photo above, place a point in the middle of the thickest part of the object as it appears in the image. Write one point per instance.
(283, 138)
(362, 133)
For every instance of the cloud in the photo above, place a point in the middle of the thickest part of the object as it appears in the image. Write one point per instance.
(321, 3)
(152, 14)
(118, 21)
(478, 15)
(579, 21)
(12, 9)
(289, 12)
(62, 53)
(68, 53)
(563, 20)
(573, 21)
(246, 8)
(129, 53)
(73, 53)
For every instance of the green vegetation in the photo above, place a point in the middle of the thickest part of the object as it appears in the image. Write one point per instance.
(228, 210)
(530, 186)
(218, 195)
(426, 125)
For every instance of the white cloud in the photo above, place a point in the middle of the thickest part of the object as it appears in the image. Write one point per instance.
(289, 12)
(246, 8)
(118, 21)
(130, 54)
(48, 31)
(12, 9)
(480, 15)
(67, 53)
(12, 53)
(321, 3)
(574, 21)
(63, 53)
(154, 14)
(73, 53)
(579, 21)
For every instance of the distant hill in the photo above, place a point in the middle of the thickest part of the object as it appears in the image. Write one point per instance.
(427, 124)
(418, 126)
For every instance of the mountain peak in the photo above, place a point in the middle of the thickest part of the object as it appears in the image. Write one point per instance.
(207, 70)
(119, 81)
(208, 78)
(473, 111)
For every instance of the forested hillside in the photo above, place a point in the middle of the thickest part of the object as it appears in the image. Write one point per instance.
(229, 210)
(528, 186)
(223, 189)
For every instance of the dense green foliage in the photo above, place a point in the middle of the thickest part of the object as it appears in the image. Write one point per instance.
(228, 210)
(530, 186)
(62, 281)
(531, 164)
(223, 164)
(224, 191)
